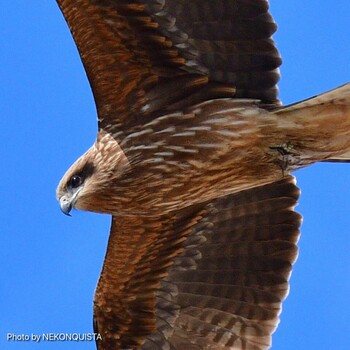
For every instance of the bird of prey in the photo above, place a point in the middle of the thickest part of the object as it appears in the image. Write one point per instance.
(193, 160)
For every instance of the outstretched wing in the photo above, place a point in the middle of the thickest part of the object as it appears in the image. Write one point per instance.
(148, 57)
(211, 277)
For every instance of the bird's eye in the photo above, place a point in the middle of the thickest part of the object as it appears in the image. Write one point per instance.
(75, 181)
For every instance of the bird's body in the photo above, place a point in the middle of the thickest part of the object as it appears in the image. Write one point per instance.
(193, 159)
(213, 149)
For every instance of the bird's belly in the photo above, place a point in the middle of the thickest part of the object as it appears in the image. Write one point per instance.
(171, 185)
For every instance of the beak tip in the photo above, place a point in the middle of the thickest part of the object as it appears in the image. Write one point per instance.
(66, 207)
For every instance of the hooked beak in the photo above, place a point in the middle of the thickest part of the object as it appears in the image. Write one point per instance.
(65, 205)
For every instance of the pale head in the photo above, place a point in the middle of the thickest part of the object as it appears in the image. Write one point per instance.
(88, 181)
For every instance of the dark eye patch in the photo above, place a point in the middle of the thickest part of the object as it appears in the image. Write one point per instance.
(77, 179)
(87, 170)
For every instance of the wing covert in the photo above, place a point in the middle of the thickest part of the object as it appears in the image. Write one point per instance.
(210, 277)
(148, 57)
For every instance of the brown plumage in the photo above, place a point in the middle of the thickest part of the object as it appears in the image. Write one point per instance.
(193, 159)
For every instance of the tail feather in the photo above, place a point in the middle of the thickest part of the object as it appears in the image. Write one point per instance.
(339, 159)
(339, 95)
(320, 125)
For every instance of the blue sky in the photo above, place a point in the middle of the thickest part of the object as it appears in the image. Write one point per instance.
(50, 263)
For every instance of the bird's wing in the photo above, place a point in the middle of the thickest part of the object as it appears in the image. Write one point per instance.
(147, 57)
(210, 277)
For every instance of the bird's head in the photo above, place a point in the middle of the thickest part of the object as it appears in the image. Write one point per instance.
(87, 182)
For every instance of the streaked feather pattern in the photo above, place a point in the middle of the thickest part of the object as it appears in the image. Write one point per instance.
(192, 159)
(211, 276)
(148, 57)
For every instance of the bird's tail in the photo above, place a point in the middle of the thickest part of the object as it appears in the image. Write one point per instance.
(325, 117)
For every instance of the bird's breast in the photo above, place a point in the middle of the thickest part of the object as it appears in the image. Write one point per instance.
(184, 159)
